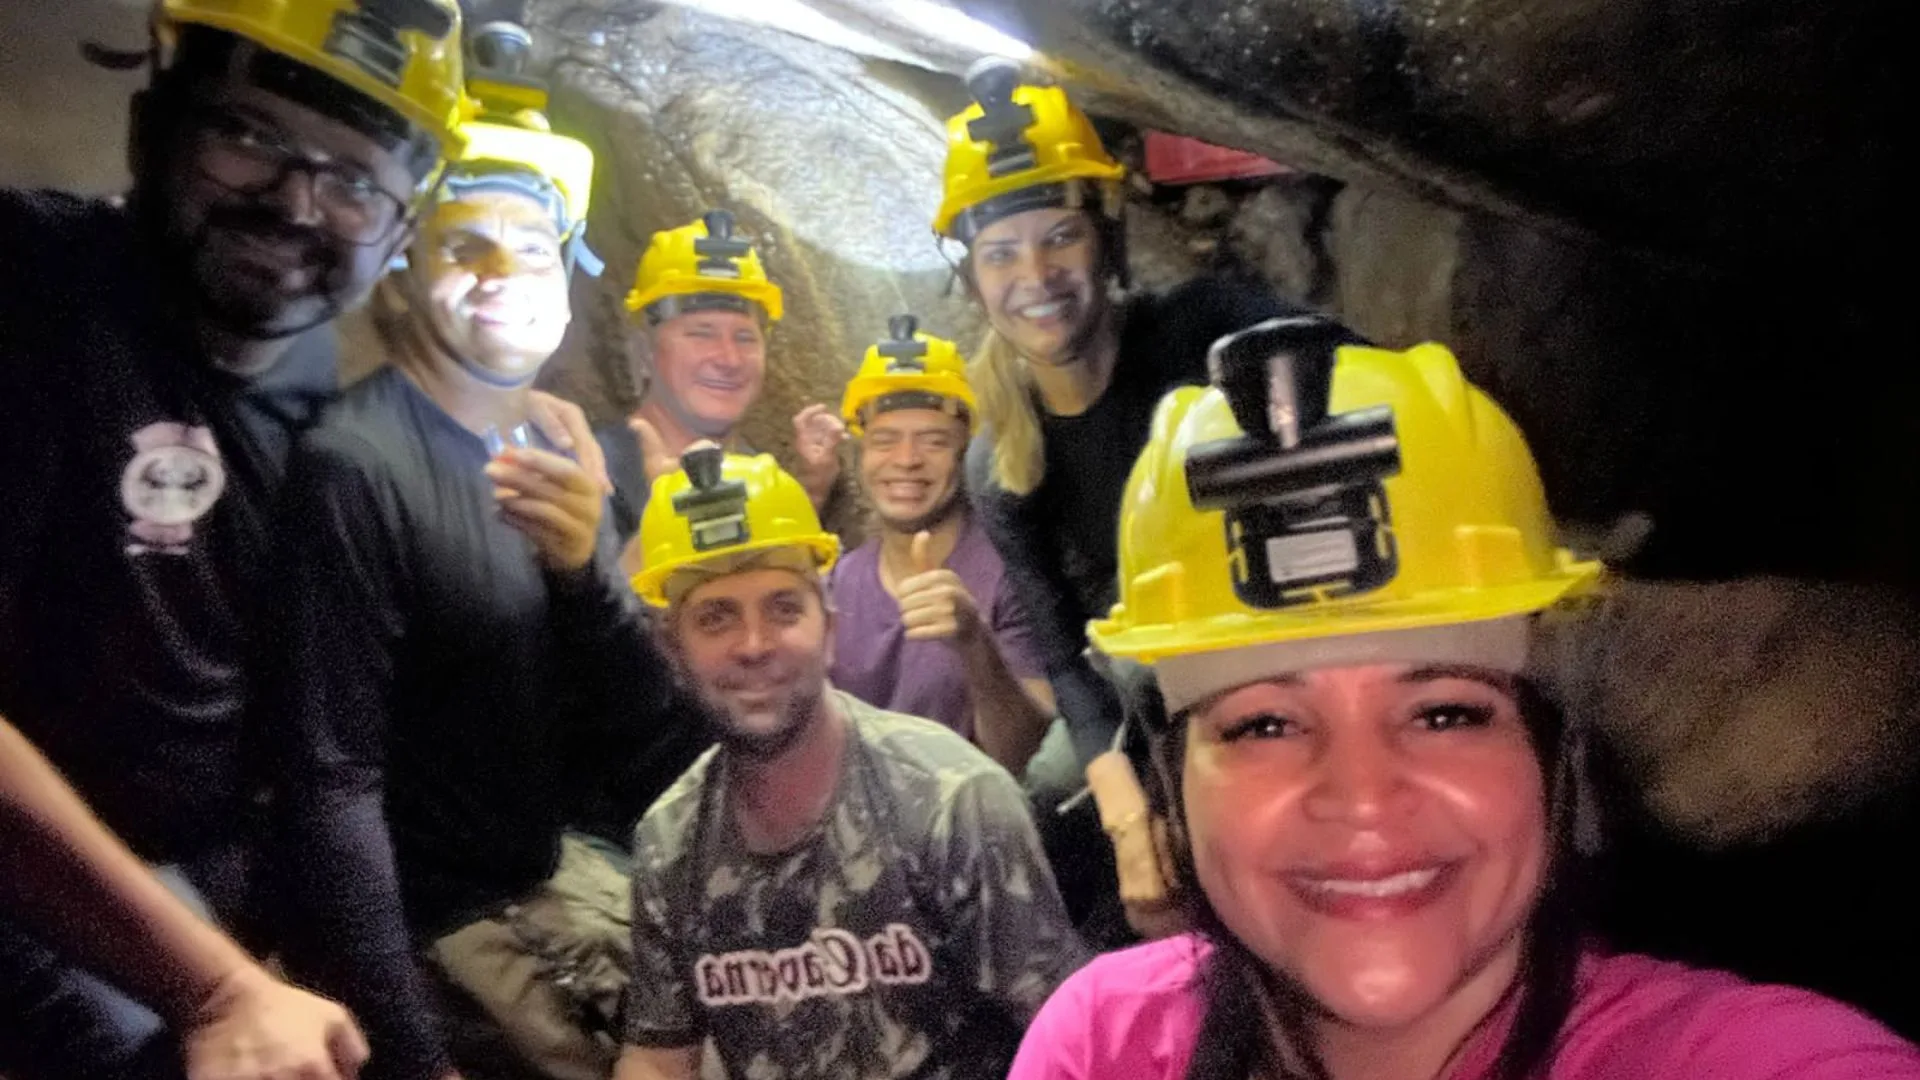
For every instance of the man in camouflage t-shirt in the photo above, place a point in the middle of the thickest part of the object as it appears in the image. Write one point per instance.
(834, 891)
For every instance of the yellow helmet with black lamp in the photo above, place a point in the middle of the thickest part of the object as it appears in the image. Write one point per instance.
(510, 145)
(1325, 503)
(909, 370)
(703, 266)
(722, 513)
(404, 55)
(1021, 147)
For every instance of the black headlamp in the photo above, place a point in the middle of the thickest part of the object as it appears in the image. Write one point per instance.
(906, 354)
(1306, 508)
(715, 508)
(370, 36)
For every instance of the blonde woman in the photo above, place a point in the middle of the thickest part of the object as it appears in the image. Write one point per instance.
(1071, 366)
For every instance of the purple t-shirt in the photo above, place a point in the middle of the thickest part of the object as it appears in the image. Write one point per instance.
(874, 661)
(1136, 1014)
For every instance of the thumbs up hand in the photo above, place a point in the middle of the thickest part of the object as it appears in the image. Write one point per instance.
(934, 603)
(653, 450)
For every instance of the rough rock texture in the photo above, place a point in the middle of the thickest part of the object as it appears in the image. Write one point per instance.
(816, 151)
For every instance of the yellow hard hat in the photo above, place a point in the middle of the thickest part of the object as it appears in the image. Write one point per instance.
(720, 508)
(511, 134)
(912, 370)
(527, 145)
(1379, 493)
(699, 266)
(1020, 147)
(404, 54)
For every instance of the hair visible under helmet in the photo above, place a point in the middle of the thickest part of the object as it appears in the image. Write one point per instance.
(1022, 147)
(1321, 505)
(723, 514)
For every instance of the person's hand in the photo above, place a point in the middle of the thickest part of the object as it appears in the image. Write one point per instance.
(255, 1027)
(934, 603)
(1141, 857)
(565, 426)
(817, 435)
(654, 457)
(553, 501)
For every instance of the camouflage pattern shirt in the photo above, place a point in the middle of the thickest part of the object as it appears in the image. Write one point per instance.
(912, 934)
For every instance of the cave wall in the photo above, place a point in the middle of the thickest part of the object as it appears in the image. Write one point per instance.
(1689, 319)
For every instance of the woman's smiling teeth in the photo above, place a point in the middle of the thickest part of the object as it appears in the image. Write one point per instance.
(1394, 885)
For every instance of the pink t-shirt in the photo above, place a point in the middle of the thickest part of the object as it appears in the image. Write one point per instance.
(1135, 1014)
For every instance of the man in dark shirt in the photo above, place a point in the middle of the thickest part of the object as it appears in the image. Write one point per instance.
(460, 662)
(156, 358)
(706, 307)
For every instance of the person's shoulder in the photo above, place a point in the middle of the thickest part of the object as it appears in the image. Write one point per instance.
(69, 251)
(1134, 1012)
(359, 426)
(1163, 971)
(664, 831)
(913, 747)
(852, 569)
(974, 557)
(1692, 1021)
(26, 214)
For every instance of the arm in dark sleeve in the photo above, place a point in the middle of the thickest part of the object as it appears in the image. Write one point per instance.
(1002, 905)
(336, 622)
(1032, 564)
(643, 725)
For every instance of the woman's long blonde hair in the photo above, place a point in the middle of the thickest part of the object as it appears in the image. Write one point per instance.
(1005, 390)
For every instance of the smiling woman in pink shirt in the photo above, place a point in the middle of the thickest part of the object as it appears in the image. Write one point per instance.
(1335, 561)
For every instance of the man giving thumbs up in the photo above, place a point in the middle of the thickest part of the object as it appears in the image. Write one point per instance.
(925, 622)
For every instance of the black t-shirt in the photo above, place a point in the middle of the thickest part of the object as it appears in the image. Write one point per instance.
(1060, 541)
(443, 699)
(134, 541)
(629, 475)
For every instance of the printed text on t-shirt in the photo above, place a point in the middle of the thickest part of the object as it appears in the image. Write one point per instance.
(832, 963)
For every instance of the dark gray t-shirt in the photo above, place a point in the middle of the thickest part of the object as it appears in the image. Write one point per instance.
(913, 934)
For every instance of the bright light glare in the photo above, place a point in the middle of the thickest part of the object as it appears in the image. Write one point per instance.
(958, 27)
(795, 17)
(936, 20)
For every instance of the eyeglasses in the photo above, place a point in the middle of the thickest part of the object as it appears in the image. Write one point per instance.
(249, 158)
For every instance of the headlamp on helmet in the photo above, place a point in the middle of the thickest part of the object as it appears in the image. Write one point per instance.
(1305, 506)
(511, 147)
(715, 508)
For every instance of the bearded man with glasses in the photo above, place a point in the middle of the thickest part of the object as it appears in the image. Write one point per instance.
(158, 356)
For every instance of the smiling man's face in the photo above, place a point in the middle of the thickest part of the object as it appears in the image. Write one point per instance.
(495, 282)
(910, 466)
(708, 368)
